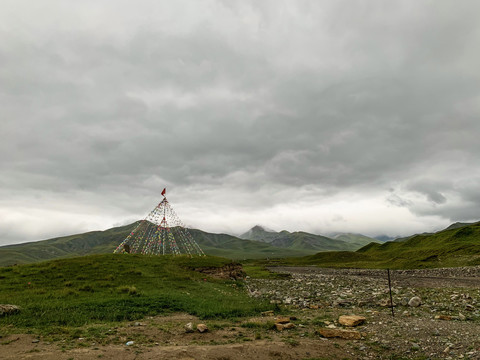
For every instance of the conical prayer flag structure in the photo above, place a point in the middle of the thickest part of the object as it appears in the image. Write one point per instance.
(160, 233)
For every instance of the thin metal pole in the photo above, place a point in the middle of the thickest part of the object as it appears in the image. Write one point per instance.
(390, 290)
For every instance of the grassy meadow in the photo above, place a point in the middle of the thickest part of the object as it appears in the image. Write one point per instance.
(61, 295)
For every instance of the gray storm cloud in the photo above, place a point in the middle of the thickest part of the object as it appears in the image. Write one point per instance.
(293, 115)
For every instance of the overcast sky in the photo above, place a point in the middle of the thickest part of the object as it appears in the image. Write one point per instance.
(322, 116)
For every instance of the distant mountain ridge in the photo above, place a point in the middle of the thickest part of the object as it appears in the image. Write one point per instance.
(104, 242)
(303, 240)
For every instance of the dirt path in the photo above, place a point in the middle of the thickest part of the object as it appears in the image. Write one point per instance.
(255, 350)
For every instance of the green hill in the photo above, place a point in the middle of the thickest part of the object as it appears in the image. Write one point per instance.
(358, 240)
(302, 241)
(454, 246)
(104, 242)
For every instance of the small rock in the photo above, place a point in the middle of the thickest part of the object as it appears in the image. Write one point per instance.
(386, 303)
(343, 334)
(281, 327)
(415, 301)
(469, 307)
(341, 303)
(202, 328)
(415, 346)
(8, 309)
(268, 313)
(35, 341)
(351, 320)
(282, 320)
(461, 317)
(130, 343)
(188, 327)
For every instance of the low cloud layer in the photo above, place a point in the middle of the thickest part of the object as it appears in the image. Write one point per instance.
(317, 116)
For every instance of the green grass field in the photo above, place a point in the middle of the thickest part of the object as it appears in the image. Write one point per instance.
(61, 295)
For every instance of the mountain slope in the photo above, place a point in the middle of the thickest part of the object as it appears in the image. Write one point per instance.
(453, 247)
(259, 233)
(356, 239)
(104, 242)
(301, 240)
(449, 247)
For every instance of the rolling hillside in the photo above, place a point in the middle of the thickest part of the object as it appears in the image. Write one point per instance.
(104, 242)
(301, 240)
(454, 246)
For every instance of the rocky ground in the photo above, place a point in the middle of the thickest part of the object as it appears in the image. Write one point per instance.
(436, 312)
(436, 316)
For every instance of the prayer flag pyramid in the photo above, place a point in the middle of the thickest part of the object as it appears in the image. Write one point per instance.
(160, 233)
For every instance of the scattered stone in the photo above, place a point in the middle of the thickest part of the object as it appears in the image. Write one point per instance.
(351, 320)
(461, 317)
(202, 328)
(339, 333)
(34, 341)
(188, 327)
(415, 347)
(282, 320)
(130, 343)
(415, 301)
(8, 309)
(281, 327)
(469, 307)
(341, 303)
(386, 303)
(268, 313)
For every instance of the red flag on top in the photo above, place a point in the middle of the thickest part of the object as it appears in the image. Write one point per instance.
(164, 191)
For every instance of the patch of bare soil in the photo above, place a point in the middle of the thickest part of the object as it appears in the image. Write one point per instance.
(165, 338)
